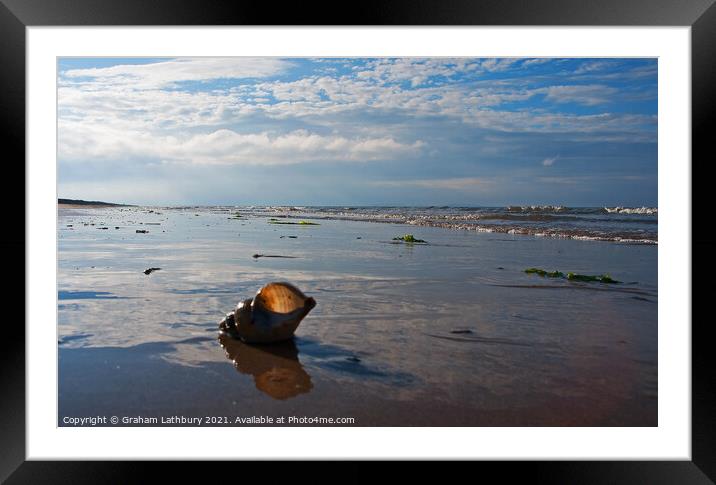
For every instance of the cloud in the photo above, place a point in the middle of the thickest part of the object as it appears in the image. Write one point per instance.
(593, 66)
(228, 147)
(536, 61)
(414, 70)
(150, 97)
(168, 73)
(548, 162)
(588, 95)
(498, 64)
(589, 127)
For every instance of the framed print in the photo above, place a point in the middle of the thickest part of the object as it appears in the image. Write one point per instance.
(432, 233)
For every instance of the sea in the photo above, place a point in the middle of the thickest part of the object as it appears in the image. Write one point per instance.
(637, 225)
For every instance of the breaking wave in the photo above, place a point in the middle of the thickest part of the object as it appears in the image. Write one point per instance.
(632, 210)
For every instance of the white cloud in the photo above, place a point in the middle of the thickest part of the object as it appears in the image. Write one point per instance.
(588, 95)
(498, 64)
(167, 73)
(125, 111)
(414, 70)
(129, 94)
(536, 61)
(226, 147)
(548, 162)
(592, 66)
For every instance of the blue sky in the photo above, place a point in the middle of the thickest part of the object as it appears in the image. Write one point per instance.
(358, 131)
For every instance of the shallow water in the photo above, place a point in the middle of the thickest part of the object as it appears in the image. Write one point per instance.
(448, 333)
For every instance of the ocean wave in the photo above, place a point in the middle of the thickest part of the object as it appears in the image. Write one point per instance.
(635, 226)
(536, 217)
(632, 210)
(539, 209)
(536, 208)
(578, 234)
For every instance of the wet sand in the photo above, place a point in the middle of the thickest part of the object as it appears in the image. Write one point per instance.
(450, 333)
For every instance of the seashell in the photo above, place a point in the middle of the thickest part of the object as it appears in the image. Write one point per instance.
(271, 316)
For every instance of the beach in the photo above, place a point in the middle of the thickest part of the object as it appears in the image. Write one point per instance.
(450, 332)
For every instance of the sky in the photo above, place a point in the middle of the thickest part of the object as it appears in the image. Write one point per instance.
(358, 131)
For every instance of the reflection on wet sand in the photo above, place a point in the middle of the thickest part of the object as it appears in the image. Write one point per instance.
(276, 368)
(400, 332)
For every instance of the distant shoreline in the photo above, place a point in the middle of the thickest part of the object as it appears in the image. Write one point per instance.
(85, 204)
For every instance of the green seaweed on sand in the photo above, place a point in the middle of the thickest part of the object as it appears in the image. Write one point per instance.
(604, 278)
(408, 238)
(543, 273)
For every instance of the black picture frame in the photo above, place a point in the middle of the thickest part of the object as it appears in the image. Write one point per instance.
(700, 15)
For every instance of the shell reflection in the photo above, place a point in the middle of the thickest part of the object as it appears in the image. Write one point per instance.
(276, 368)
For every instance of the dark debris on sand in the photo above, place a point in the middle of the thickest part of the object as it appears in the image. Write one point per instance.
(257, 256)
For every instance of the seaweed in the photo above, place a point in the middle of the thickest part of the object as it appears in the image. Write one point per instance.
(603, 278)
(300, 223)
(408, 238)
(543, 273)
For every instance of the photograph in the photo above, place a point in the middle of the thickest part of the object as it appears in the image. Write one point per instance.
(357, 241)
